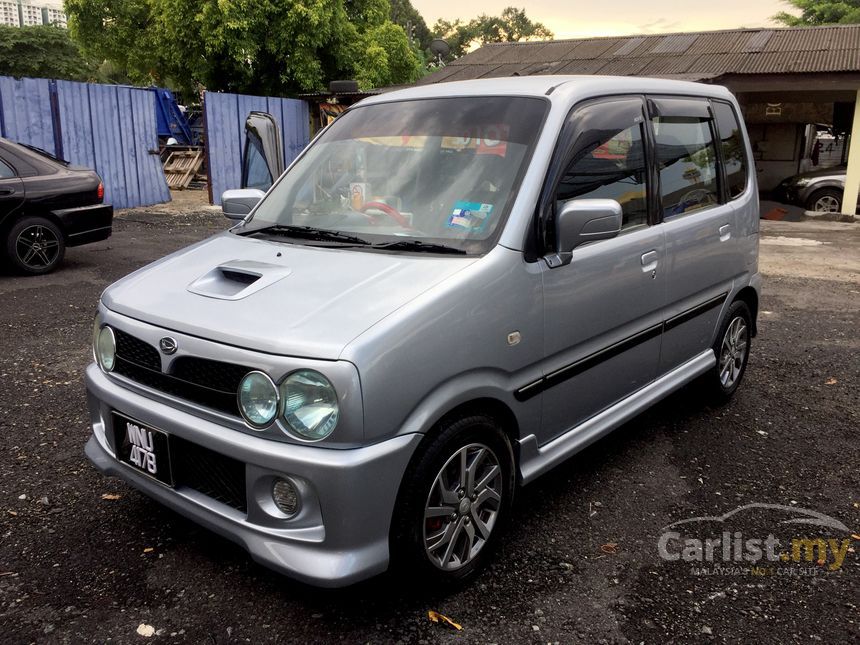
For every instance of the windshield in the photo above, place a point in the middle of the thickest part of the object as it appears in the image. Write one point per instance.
(443, 172)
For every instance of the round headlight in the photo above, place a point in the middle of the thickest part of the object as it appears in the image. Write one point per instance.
(258, 399)
(310, 404)
(106, 348)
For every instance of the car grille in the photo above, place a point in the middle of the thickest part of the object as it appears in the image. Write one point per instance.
(213, 384)
(215, 475)
(135, 351)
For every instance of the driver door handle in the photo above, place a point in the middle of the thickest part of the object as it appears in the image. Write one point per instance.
(649, 261)
(725, 232)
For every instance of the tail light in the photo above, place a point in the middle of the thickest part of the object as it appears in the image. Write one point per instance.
(100, 191)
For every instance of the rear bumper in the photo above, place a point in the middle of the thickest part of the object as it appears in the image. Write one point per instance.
(86, 224)
(339, 536)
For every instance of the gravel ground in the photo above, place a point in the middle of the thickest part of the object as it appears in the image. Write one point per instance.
(87, 559)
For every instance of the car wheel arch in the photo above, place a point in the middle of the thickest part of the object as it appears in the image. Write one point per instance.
(479, 405)
(750, 297)
(16, 216)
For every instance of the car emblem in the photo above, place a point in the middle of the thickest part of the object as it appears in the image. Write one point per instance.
(168, 345)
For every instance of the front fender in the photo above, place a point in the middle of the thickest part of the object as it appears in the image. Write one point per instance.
(476, 385)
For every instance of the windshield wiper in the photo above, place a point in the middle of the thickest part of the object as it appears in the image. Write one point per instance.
(419, 246)
(310, 233)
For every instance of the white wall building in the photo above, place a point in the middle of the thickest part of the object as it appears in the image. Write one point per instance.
(9, 13)
(28, 13)
(31, 15)
(52, 16)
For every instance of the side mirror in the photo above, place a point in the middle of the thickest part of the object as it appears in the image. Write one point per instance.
(584, 220)
(237, 203)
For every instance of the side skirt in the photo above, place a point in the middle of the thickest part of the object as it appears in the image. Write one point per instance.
(536, 460)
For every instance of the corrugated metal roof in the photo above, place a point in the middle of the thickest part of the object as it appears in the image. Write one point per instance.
(695, 56)
(674, 44)
(758, 40)
(628, 46)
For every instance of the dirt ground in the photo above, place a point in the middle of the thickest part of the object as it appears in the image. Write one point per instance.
(88, 559)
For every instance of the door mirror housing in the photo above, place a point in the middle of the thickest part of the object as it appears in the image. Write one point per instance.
(584, 220)
(237, 203)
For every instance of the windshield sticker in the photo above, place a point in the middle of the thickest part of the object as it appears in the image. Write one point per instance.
(470, 216)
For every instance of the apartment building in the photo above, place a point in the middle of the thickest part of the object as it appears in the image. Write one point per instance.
(24, 13)
(9, 13)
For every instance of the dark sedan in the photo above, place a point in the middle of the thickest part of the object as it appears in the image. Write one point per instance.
(46, 205)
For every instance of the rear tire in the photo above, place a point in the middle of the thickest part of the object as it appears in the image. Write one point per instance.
(35, 245)
(732, 349)
(453, 503)
(825, 200)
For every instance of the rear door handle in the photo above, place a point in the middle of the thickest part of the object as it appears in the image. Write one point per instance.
(649, 261)
(725, 232)
(6, 191)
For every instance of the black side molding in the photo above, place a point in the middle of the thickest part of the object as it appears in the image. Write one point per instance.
(574, 369)
(698, 310)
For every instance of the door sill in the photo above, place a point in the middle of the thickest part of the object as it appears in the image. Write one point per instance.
(536, 460)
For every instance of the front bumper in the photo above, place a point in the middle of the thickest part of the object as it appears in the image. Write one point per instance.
(339, 536)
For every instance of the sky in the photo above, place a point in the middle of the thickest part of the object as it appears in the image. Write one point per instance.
(579, 18)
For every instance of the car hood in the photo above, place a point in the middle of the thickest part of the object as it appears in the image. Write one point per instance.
(833, 171)
(275, 297)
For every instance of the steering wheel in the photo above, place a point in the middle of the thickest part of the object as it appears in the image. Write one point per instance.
(392, 212)
(697, 197)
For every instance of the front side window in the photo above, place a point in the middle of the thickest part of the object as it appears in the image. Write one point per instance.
(687, 161)
(734, 152)
(440, 171)
(609, 159)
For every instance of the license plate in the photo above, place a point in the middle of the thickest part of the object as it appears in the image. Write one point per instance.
(142, 447)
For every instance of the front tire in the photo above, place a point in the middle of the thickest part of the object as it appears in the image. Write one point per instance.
(35, 245)
(825, 200)
(454, 500)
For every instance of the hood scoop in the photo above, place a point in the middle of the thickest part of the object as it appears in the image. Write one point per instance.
(238, 279)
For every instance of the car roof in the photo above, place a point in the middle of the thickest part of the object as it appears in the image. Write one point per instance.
(552, 86)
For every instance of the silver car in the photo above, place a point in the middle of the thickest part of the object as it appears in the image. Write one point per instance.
(451, 291)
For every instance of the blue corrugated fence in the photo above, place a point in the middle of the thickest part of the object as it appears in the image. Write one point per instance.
(113, 129)
(25, 111)
(109, 128)
(225, 133)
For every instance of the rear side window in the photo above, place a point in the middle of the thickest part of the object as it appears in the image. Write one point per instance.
(608, 159)
(6, 171)
(733, 149)
(687, 161)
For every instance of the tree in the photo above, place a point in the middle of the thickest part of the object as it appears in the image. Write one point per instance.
(407, 16)
(512, 26)
(43, 51)
(821, 12)
(269, 47)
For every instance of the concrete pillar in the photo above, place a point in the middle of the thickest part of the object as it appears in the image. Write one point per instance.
(852, 177)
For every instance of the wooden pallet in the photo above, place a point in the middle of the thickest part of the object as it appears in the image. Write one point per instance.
(181, 166)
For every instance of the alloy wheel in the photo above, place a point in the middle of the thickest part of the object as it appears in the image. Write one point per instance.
(733, 352)
(37, 247)
(826, 204)
(462, 507)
